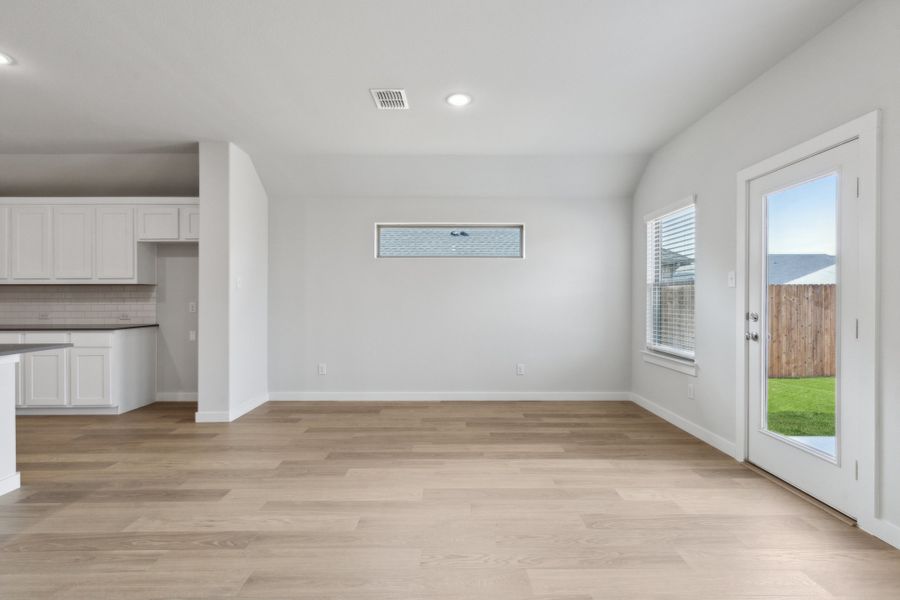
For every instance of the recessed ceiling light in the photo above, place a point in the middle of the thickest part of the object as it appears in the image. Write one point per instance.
(6, 60)
(459, 100)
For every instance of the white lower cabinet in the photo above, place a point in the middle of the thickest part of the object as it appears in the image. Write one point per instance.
(106, 371)
(89, 377)
(45, 378)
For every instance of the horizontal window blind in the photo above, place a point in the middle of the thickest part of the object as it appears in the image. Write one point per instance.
(670, 283)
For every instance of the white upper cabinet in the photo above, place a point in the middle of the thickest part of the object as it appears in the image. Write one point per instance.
(190, 222)
(30, 242)
(157, 223)
(73, 242)
(90, 240)
(115, 242)
(4, 242)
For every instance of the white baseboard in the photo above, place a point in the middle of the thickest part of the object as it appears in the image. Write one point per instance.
(248, 405)
(227, 416)
(10, 483)
(884, 530)
(26, 411)
(219, 416)
(701, 433)
(451, 396)
(176, 397)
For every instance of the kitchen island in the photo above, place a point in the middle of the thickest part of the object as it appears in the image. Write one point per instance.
(10, 354)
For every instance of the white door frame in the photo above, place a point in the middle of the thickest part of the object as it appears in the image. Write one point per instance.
(866, 129)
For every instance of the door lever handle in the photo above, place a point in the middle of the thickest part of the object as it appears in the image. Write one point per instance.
(751, 337)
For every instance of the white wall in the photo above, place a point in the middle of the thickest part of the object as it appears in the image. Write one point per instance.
(127, 174)
(214, 284)
(850, 69)
(248, 257)
(233, 306)
(176, 360)
(449, 328)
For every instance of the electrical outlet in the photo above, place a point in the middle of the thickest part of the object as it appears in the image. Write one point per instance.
(690, 391)
(323, 369)
(192, 307)
(124, 317)
(732, 280)
(44, 316)
(192, 336)
(520, 369)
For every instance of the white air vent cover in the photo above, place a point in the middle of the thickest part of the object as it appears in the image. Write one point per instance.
(390, 99)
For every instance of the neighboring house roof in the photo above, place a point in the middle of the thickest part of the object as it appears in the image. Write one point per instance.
(674, 259)
(820, 277)
(789, 268)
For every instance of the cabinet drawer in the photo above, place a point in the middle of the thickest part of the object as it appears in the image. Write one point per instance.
(35, 337)
(10, 338)
(91, 339)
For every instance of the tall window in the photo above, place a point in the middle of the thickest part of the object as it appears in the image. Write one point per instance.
(670, 282)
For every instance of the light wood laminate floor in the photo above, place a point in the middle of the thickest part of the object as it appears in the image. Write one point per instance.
(406, 501)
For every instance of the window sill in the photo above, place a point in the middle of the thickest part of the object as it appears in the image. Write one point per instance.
(682, 365)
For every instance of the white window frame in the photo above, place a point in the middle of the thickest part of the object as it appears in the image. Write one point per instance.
(380, 225)
(664, 356)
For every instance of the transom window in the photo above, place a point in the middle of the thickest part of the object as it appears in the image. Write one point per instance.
(670, 282)
(449, 240)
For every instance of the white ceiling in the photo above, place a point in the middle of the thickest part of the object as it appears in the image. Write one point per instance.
(288, 78)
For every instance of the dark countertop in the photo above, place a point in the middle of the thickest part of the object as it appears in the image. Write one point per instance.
(61, 327)
(8, 349)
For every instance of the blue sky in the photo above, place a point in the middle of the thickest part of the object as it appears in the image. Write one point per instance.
(802, 219)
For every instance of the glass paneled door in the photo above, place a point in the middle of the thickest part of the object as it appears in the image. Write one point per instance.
(803, 248)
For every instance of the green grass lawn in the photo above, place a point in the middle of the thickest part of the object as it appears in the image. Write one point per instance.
(802, 406)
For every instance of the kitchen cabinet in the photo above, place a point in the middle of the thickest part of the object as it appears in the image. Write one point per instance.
(157, 223)
(104, 372)
(190, 222)
(73, 242)
(4, 242)
(45, 371)
(115, 242)
(89, 377)
(30, 242)
(89, 240)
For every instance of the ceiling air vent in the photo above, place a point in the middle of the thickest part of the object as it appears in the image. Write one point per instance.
(390, 99)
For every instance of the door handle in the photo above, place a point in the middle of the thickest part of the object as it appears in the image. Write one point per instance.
(751, 337)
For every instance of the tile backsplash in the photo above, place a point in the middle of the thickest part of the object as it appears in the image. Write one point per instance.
(77, 304)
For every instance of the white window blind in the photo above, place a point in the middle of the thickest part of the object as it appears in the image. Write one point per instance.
(670, 283)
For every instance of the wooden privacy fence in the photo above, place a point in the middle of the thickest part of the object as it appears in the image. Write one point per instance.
(802, 326)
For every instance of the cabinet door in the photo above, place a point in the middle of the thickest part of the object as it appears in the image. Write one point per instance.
(30, 242)
(157, 223)
(89, 377)
(4, 242)
(45, 378)
(190, 222)
(73, 242)
(115, 244)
